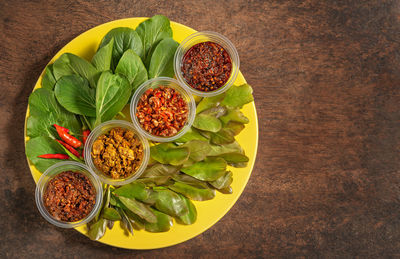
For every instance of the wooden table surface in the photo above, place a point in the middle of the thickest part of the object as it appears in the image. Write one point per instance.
(326, 80)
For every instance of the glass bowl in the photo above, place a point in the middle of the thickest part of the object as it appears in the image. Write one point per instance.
(200, 37)
(56, 169)
(103, 129)
(156, 83)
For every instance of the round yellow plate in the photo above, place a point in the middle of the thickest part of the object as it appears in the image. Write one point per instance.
(209, 212)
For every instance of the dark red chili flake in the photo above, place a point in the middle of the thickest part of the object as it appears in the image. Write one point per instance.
(206, 66)
(69, 196)
(162, 111)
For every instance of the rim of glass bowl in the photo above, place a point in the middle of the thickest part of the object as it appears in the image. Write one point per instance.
(56, 169)
(104, 128)
(204, 36)
(155, 83)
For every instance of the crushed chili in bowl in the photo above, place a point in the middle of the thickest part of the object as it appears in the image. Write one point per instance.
(69, 196)
(118, 153)
(206, 66)
(162, 111)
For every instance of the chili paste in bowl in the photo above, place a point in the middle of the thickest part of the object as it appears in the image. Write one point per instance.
(116, 152)
(207, 63)
(68, 194)
(162, 110)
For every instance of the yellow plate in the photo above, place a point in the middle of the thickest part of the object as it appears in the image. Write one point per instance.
(209, 212)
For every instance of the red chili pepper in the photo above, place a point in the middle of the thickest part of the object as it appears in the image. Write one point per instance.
(64, 129)
(54, 156)
(67, 137)
(85, 136)
(70, 149)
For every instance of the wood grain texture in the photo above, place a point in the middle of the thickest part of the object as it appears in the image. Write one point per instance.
(326, 76)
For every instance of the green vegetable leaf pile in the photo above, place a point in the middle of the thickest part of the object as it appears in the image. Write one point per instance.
(79, 94)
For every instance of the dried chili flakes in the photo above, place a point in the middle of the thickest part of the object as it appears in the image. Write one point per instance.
(69, 196)
(162, 111)
(206, 66)
(118, 153)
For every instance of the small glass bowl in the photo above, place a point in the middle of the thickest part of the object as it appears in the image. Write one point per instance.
(205, 36)
(103, 129)
(156, 83)
(56, 169)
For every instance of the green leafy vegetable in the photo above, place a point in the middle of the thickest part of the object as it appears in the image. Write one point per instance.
(234, 127)
(39, 146)
(207, 123)
(208, 170)
(237, 96)
(191, 192)
(75, 95)
(217, 150)
(97, 230)
(167, 153)
(111, 214)
(191, 216)
(209, 102)
(70, 64)
(112, 94)
(125, 222)
(191, 134)
(48, 80)
(102, 59)
(44, 111)
(234, 115)
(164, 222)
(133, 190)
(124, 39)
(198, 149)
(138, 208)
(169, 202)
(161, 63)
(224, 181)
(224, 136)
(131, 66)
(232, 158)
(152, 31)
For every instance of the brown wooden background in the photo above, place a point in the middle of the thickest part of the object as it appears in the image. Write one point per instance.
(326, 76)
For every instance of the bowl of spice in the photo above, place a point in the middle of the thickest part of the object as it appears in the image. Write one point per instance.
(162, 110)
(116, 152)
(207, 63)
(68, 194)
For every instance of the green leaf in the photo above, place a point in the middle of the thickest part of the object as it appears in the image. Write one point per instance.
(138, 208)
(169, 202)
(133, 190)
(111, 214)
(233, 158)
(217, 150)
(191, 216)
(167, 153)
(131, 66)
(208, 170)
(207, 123)
(124, 39)
(44, 111)
(152, 31)
(160, 170)
(191, 134)
(234, 127)
(126, 224)
(136, 221)
(198, 149)
(105, 201)
(97, 230)
(215, 111)
(102, 59)
(75, 95)
(237, 96)
(40, 146)
(70, 64)
(187, 179)
(209, 102)
(193, 193)
(112, 94)
(224, 181)
(161, 63)
(224, 136)
(48, 80)
(234, 115)
(164, 222)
